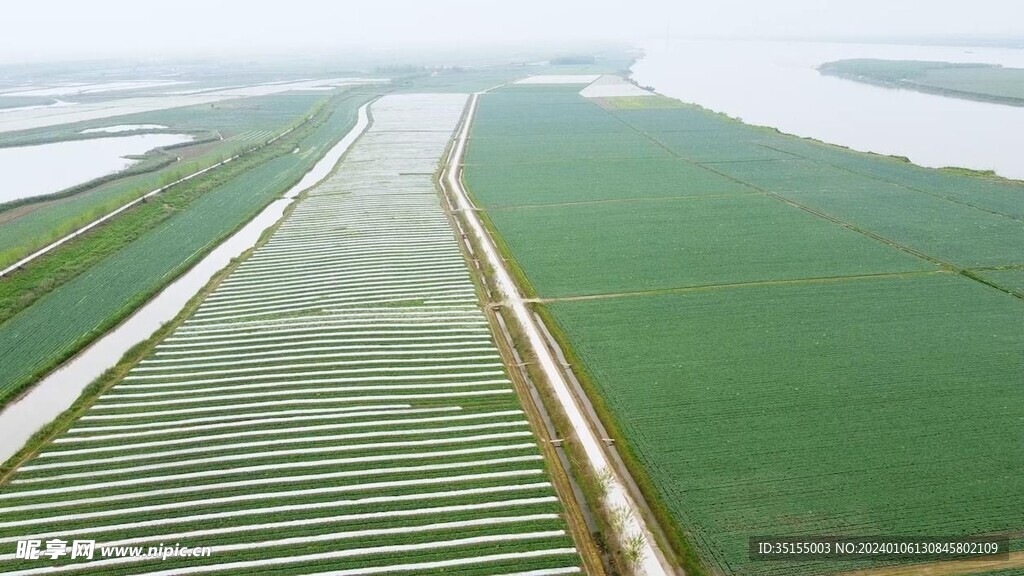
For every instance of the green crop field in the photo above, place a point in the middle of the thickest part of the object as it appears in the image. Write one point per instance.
(65, 318)
(905, 212)
(640, 102)
(786, 337)
(609, 247)
(980, 191)
(541, 184)
(335, 406)
(534, 110)
(540, 147)
(882, 406)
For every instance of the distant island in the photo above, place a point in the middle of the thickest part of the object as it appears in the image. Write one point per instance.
(972, 81)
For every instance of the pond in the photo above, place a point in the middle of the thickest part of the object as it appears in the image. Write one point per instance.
(27, 171)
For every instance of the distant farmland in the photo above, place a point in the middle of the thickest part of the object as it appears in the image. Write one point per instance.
(788, 337)
(335, 406)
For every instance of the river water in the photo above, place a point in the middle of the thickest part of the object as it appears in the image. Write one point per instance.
(776, 84)
(27, 171)
(55, 393)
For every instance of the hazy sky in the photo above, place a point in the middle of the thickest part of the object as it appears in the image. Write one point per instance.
(61, 29)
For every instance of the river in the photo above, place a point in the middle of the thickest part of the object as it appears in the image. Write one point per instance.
(776, 84)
